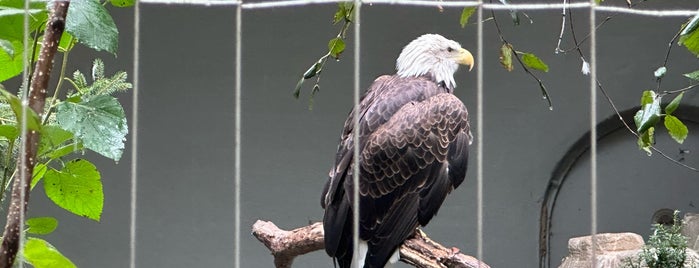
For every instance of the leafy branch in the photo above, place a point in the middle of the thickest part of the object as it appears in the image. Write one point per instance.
(650, 112)
(344, 14)
(526, 60)
(88, 118)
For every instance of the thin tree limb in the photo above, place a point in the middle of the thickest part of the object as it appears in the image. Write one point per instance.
(27, 159)
(419, 250)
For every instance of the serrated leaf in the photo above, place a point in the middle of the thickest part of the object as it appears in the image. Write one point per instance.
(660, 72)
(122, 3)
(99, 122)
(41, 225)
(506, 57)
(76, 188)
(693, 75)
(91, 24)
(52, 137)
(42, 254)
(648, 116)
(690, 40)
(38, 173)
(534, 62)
(336, 46)
(672, 106)
(465, 15)
(677, 130)
(647, 97)
(646, 140)
(33, 121)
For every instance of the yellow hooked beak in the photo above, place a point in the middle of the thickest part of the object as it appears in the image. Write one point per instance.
(465, 58)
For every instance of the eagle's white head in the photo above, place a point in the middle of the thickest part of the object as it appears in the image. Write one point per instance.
(433, 55)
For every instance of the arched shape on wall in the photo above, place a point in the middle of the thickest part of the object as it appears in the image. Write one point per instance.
(687, 113)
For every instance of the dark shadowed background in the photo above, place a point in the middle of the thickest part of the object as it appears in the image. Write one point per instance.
(186, 132)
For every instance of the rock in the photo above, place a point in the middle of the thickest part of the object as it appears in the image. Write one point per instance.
(690, 229)
(615, 250)
(611, 249)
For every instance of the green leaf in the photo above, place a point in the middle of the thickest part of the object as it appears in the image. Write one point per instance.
(648, 116)
(678, 131)
(690, 38)
(33, 121)
(465, 15)
(340, 13)
(99, 122)
(532, 61)
(52, 137)
(65, 150)
(693, 75)
(12, 18)
(660, 72)
(91, 24)
(647, 97)
(122, 3)
(42, 225)
(38, 174)
(344, 12)
(11, 65)
(672, 106)
(646, 140)
(336, 46)
(9, 131)
(7, 46)
(67, 42)
(42, 254)
(506, 57)
(76, 188)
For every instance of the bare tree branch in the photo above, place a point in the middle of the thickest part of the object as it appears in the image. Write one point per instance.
(27, 157)
(419, 250)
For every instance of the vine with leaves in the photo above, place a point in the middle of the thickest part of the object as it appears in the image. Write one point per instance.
(646, 119)
(43, 140)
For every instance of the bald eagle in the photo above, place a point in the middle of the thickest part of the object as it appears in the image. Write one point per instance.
(414, 136)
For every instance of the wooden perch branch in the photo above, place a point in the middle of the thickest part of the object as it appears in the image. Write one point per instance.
(419, 250)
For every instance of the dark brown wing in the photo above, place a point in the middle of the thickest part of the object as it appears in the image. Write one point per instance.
(382, 109)
(409, 165)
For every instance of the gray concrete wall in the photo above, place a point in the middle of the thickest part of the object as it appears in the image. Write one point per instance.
(185, 189)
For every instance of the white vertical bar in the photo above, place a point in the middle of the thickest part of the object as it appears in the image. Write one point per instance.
(134, 133)
(238, 66)
(479, 134)
(26, 62)
(593, 131)
(355, 138)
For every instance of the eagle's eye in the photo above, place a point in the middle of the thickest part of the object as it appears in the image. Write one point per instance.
(449, 49)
